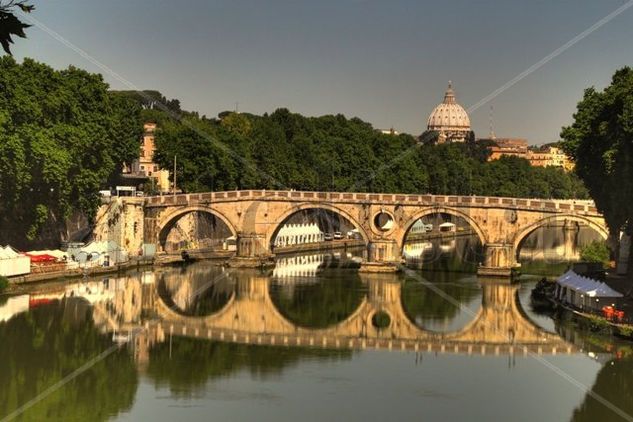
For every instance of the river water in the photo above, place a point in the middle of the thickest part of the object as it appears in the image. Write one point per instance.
(311, 339)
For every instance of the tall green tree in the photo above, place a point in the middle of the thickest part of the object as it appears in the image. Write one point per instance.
(62, 137)
(600, 140)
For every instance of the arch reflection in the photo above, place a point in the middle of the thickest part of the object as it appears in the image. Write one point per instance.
(198, 290)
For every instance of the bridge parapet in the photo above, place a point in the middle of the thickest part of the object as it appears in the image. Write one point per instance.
(562, 205)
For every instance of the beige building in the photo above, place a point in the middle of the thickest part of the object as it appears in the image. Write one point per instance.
(449, 119)
(550, 157)
(145, 165)
(516, 147)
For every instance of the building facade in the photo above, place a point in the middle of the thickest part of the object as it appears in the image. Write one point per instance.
(550, 157)
(516, 147)
(145, 165)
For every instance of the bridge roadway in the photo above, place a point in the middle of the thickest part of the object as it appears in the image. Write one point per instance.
(255, 217)
(251, 317)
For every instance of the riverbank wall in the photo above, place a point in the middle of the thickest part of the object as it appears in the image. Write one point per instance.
(80, 272)
(320, 246)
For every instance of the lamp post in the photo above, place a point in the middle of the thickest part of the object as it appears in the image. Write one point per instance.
(175, 175)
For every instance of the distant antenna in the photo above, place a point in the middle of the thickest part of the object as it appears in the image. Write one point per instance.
(237, 104)
(492, 130)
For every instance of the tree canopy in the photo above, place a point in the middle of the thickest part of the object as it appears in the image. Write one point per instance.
(600, 140)
(285, 150)
(62, 137)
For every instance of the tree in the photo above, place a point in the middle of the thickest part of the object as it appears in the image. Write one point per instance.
(62, 137)
(600, 141)
(286, 150)
(10, 25)
(596, 251)
(152, 100)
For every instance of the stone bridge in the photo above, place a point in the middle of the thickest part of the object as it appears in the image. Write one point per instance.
(383, 220)
(250, 316)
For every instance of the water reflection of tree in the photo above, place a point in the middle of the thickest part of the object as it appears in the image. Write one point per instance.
(332, 298)
(199, 289)
(41, 347)
(614, 383)
(420, 302)
(191, 363)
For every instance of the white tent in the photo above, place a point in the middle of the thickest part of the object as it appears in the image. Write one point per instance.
(584, 292)
(296, 234)
(60, 255)
(12, 263)
(99, 253)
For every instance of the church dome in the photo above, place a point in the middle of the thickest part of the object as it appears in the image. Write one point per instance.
(450, 118)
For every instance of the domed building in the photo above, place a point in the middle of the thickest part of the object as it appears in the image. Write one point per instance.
(449, 119)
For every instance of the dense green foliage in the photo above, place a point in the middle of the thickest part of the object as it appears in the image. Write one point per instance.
(596, 251)
(150, 99)
(4, 283)
(45, 345)
(601, 143)
(62, 137)
(285, 150)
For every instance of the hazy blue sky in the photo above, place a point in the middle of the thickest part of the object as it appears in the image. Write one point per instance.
(387, 62)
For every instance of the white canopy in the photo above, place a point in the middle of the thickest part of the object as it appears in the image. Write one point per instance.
(95, 252)
(586, 285)
(7, 252)
(13, 263)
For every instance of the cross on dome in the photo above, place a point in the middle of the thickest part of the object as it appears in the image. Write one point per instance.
(449, 96)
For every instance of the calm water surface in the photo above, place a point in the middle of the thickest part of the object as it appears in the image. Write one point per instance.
(158, 375)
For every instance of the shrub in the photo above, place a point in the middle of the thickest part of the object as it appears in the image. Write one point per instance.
(596, 251)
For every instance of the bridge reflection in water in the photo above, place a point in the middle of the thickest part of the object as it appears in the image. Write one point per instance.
(242, 310)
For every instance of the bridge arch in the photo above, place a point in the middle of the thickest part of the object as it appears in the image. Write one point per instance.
(274, 227)
(442, 210)
(523, 233)
(172, 218)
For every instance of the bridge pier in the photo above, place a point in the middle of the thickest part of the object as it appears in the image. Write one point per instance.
(499, 261)
(570, 240)
(383, 256)
(251, 252)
